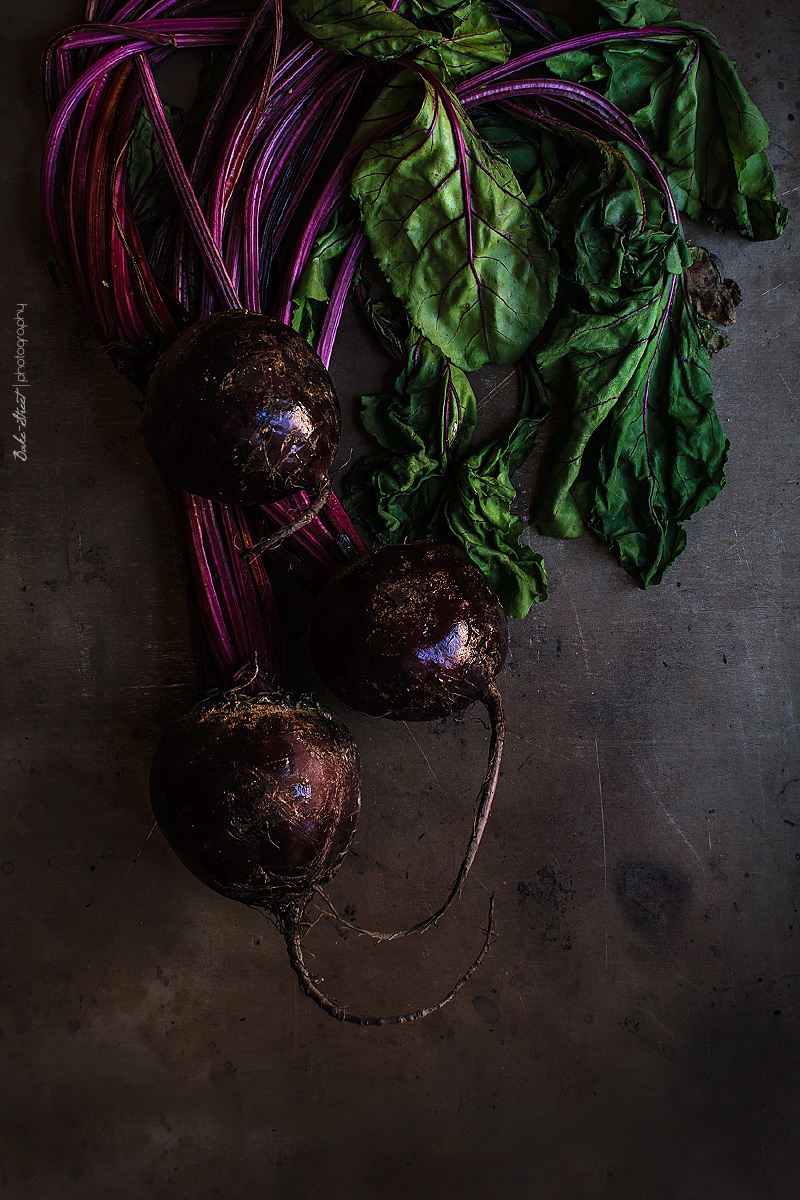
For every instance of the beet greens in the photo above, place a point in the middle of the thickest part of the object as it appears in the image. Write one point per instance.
(444, 143)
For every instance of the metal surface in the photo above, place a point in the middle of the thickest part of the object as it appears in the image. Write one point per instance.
(634, 1031)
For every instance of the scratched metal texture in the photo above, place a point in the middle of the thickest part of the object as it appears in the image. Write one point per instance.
(634, 1031)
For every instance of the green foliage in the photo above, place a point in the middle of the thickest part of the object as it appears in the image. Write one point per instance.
(313, 291)
(504, 241)
(686, 99)
(472, 40)
(451, 229)
(428, 481)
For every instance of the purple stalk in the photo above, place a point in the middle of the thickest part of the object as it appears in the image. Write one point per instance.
(96, 217)
(234, 623)
(94, 74)
(212, 124)
(274, 663)
(222, 99)
(582, 42)
(235, 599)
(170, 32)
(583, 101)
(339, 293)
(289, 125)
(77, 179)
(277, 157)
(527, 18)
(56, 64)
(127, 249)
(330, 197)
(201, 644)
(325, 543)
(235, 168)
(208, 247)
(252, 644)
(229, 165)
(311, 545)
(211, 612)
(128, 281)
(320, 144)
(225, 580)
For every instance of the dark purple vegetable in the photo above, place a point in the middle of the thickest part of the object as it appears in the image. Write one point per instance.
(241, 410)
(414, 632)
(259, 797)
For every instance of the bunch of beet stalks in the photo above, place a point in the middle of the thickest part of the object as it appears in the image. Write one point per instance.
(257, 792)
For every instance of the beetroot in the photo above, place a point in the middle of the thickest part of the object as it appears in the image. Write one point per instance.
(259, 797)
(415, 632)
(240, 409)
(286, 778)
(412, 632)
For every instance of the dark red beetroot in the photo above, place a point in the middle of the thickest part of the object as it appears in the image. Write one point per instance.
(414, 632)
(240, 409)
(286, 777)
(259, 798)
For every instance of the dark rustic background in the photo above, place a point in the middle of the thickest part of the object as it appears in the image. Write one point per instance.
(634, 1032)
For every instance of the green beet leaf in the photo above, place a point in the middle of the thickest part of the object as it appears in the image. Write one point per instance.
(638, 447)
(471, 40)
(311, 296)
(635, 14)
(366, 27)
(424, 424)
(427, 481)
(685, 97)
(530, 151)
(451, 230)
(641, 449)
(476, 40)
(478, 508)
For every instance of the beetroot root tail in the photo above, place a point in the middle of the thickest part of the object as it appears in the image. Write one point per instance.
(494, 706)
(291, 929)
(304, 518)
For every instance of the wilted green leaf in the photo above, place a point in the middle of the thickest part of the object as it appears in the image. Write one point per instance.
(642, 449)
(366, 27)
(685, 97)
(311, 296)
(452, 232)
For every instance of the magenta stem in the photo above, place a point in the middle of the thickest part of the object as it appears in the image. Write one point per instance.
(209, 249)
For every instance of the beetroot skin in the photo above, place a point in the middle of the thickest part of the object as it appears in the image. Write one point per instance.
(412, 632)
(240, 409)
(258, 797)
